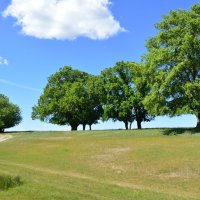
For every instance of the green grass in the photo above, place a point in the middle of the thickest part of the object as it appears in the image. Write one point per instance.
(150, 164)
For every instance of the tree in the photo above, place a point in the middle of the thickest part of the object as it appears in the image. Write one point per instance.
(86, 99)
(141, 90)
(10, 115)
(65, 99)
(57, 104)
(173, 65)
(117, 94)
(123, 94)
(92, 109)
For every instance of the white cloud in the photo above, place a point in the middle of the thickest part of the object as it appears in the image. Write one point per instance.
(64, 19)
(3, 61)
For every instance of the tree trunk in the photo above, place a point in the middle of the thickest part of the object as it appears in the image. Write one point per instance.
(74, 127)
(139, 124)
(126, 125)
(198, 120)
(130, 126)
(1, 130)
(84, 125)
(90, 126)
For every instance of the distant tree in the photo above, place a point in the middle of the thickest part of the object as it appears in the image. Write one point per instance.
(93, 108)
(57, 105)
(117, 95)
(65, 100)
(87, 101)
(123, 94)
(10, 115)
(173, 65)
(140, 89)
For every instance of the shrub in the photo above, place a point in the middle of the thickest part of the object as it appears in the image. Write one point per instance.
(9, 181)
(173, 133)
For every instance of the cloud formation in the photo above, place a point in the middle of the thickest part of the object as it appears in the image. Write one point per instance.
(3, 61)
(64, 19)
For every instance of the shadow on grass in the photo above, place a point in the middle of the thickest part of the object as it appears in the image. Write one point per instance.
(178, 131)
(15, 132)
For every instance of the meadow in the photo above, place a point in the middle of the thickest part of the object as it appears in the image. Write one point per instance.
(147, 164)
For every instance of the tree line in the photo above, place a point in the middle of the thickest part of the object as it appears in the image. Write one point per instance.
(76, 98)
(165, 82)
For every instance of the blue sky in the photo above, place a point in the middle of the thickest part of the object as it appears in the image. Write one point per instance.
(39, 44)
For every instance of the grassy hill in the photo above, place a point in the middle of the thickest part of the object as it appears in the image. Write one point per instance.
(103, 165)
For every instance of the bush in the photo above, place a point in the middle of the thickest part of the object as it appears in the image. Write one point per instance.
(173, 133)
(9, 181)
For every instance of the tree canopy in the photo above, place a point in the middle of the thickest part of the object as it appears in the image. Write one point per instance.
(68, 99)
(92, 110)
(124, 91)
(173, 65)
(10, 114)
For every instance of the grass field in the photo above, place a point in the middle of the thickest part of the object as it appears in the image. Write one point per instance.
(102, 165)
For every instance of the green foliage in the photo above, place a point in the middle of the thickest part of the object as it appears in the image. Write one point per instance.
(173, 64)
(9, 113)
(92, 109)
(68, 98)
(124, 90)
(117, 90)
(7, 182)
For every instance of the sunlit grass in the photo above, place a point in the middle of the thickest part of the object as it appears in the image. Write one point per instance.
(137, 164)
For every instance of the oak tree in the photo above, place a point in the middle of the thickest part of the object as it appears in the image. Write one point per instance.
(68, 100)
(173, 65)
(124, 92)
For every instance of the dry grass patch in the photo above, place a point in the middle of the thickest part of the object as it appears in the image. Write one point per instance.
(5, 137)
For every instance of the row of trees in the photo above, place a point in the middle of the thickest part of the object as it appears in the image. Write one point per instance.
(167, 82)
(73, 97)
